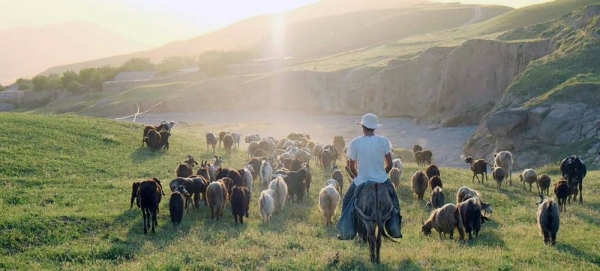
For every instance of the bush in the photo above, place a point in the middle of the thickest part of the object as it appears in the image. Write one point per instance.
(74, 87)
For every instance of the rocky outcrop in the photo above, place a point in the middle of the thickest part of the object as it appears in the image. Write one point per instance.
(537, 135)
(447, 85)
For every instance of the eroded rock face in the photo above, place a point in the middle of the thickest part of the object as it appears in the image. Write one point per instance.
(535, 133)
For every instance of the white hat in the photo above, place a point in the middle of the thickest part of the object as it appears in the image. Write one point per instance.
(370, 121)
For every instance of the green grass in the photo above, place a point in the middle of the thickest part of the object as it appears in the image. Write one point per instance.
(64, 204)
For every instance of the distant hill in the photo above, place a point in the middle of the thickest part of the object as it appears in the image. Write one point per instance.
(28, 51)
(244, 34)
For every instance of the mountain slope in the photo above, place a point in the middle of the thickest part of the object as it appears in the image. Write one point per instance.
(28, 51)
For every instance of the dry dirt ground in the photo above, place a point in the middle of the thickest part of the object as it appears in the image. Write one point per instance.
(446, 142)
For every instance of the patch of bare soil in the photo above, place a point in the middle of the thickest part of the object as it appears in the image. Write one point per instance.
(445, 142)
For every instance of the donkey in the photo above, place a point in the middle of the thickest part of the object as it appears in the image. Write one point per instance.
(374, 208)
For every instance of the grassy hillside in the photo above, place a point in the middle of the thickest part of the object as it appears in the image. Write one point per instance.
(574, 68)
(65, 204)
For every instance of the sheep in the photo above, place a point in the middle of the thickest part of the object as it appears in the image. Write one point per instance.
(504, 160)
(212, 169)
(417, 148)
(216, 194)
(147, 129)
(266, 204)
(247, 176)
(437, 199)
(548, 219)
(149, 195)
(427, 157)
(255, 163)
(266, 172)
(211, 140)
(543, 184)
(339, 143)
(562, 192)
(470, 213)
(176, 204)
(329, 197)
(444, 220)
(478, 166)
(432, 170)
(498, 174)
(281, 192)
(528, 176)
(240, 203)
(308, 180)
(419, 184)
(221, 135)
(295, 183)
(394, 175)
(465, 193)
(236, 140)
(434, 182)
(337, 175)
(228, 143)
(134, 189)
(252, 147)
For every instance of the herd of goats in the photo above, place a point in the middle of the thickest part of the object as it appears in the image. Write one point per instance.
(282, 168)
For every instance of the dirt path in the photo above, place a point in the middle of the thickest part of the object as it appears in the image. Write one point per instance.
(446, 143)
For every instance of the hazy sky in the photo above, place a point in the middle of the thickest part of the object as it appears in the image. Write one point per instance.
(156, 22)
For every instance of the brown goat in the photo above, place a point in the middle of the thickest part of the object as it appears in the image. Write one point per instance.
(228, 143)
(444, 220)
(147, 129)
(432, 170)
(562, 192)
(543, 184)
(216, 194)
(149, 195)
(478, 166)
(499, 174)
(419, 184)
(434, 182)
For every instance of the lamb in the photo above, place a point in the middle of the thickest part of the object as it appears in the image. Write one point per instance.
(240, 203)
(216, 194)
(149, 195)
(543, 184)
(470, 213)
(295, 183)
(228, 143)
(266, 172)
(498, 174)
(432, 170)
(419, 184)
(176, 203)
(395, 175)
(437, 199)
(465, 193)
(211, 140)
(562, 192)
(329, 197)
(434, 182)
(337, 175)
(281, 192)
(548, 219)
(444, 220)
(528, 176)
(478, 166)
(266, 204)
(504, 160)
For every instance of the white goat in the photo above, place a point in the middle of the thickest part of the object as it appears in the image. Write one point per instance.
(329, 197)
(266, 204)
(281, 192)
(266, 172)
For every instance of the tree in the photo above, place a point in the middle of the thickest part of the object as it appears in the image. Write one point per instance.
(74, 87)
(68, 77)
(54, 82)
(137, 64)
(172, 64)
(24, 84)
(2, 88)
(40, 82)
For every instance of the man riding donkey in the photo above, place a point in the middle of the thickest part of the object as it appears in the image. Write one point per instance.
(370, 152)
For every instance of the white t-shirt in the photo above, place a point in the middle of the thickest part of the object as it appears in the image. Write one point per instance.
(369, 153)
